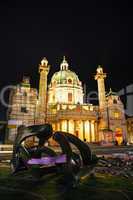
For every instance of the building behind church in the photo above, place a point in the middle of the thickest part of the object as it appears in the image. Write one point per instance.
(61, 104)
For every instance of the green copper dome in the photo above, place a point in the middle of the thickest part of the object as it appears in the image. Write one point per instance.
(65, 76)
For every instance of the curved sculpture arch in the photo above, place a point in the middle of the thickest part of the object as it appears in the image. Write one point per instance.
(47, 159)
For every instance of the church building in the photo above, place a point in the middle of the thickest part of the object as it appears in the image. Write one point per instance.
(61, 103)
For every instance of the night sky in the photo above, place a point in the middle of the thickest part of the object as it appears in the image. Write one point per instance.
(99, 32)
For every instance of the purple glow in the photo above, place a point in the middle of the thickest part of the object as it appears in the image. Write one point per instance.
(47, 160)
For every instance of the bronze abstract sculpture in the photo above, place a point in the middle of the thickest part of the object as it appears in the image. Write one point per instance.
(43, 160)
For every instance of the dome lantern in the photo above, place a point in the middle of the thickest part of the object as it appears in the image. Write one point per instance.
(65, 86)
(64, 65)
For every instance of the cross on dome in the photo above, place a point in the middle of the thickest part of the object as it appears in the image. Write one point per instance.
(64, 65)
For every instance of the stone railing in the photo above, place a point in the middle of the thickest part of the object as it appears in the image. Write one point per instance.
(64, 114)
(6, 148)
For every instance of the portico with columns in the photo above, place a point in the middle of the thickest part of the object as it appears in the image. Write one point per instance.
(80, 121)
(83, 129)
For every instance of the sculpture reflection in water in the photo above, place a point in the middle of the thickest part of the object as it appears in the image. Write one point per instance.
(39, 160)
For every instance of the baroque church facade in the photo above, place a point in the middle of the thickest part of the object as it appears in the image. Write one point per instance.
(61, 104)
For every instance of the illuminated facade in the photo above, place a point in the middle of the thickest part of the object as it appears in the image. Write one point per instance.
(22, 108)
(61, 104)
(130, 129)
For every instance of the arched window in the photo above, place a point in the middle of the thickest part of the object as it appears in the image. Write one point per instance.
(116, 114)
(69, 97)
(115, 101)
(70, 81)
(24, 109)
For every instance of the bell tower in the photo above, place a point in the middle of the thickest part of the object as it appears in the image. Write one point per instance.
(42, 99)
(100, 76)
